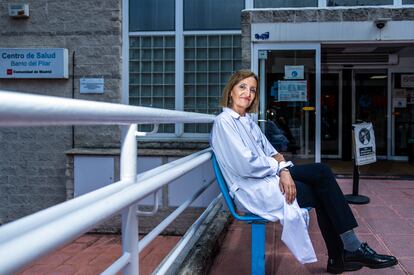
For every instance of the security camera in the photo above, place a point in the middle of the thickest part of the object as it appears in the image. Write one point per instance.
(381, 22)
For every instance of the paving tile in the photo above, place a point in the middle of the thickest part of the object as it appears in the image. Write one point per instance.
(387, 224)
(394, 270)
(54, 259)
(404, 211)
(73, 248)
(37, 269)
(390, 225)
(65, 270)
(398, 200)
(369, 211)
(363, 227)
(407, 264)
(399, 244)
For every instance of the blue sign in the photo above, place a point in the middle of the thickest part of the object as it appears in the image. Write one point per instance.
(263, 36)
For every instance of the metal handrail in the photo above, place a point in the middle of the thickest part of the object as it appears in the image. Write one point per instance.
(75, 217)
(19, 109)
(14, 229)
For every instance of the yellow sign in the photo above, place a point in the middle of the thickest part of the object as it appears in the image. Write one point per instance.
(308, 108)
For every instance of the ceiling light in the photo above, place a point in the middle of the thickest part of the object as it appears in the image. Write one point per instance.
(378, 77)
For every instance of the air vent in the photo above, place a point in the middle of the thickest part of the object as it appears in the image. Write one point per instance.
(355, 59)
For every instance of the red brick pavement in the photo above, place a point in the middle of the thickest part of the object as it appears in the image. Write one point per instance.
(93, 253)
(387, 224)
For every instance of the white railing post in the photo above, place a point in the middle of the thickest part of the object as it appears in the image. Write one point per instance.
(129, 214)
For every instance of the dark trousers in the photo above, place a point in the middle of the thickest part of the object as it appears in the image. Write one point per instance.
(317, 187)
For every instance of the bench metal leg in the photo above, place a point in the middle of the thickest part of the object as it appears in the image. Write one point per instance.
(258, 248)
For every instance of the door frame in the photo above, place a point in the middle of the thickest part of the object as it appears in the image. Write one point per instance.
(391, 122)
(256, 47)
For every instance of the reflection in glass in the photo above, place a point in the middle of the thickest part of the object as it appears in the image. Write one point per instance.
(371, 104)
(212, 14)
(209, 60)
(329, 114)
(403, 113)
(151, 15)
(258, 4)
(290, 101)
(359, 2)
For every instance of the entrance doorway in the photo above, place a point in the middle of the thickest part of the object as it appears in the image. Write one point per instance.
(351, 96)
(290, 98)
(307, 109)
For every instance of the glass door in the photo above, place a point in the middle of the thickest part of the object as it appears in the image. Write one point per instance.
(331, 114)
(290, 98)
(370, 103)
(402, 113)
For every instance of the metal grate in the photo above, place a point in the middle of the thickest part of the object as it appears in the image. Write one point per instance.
(209, 60)
(152, 75)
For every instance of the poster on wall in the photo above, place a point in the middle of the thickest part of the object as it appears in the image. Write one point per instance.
(410, 97)
(364, 143)
(407, 80)
(34, 63)
(292, 90)
(294, 72)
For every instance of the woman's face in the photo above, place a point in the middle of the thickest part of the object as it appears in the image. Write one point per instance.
(242, 95)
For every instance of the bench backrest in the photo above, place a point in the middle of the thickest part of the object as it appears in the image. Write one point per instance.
(226, 195)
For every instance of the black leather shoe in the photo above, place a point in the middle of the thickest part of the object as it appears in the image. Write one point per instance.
(366, 256)
(337, 266)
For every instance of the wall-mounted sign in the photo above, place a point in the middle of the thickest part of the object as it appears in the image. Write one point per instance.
(91, 85)
(364, 141)
(407, 80)
(262, 36)
(262, 54)
(294, 72)
(292, 90)
(34, 63)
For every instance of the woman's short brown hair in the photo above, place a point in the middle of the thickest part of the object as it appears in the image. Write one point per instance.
(233, 80)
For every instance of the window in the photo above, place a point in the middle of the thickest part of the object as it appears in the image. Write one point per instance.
(212, 14)
(359, 2)
(285, 3)
(152, 74)
(151, 15)
(209, 60)
(408, 2)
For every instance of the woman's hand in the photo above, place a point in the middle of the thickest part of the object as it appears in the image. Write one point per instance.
(287, 186)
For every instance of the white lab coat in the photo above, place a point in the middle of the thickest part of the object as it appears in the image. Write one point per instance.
(245, 157)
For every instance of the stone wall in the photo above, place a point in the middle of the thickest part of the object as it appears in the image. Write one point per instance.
(33, 160)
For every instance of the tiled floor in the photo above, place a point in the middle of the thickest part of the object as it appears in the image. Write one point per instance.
(387, 224)
(93, 253)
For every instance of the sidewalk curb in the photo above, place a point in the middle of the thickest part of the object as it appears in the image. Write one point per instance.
(201, 256)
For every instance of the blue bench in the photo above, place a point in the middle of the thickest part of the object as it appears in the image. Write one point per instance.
(258, 224)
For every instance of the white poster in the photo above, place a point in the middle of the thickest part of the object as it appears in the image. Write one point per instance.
(364, 142)
(34, 63)
(294, 72)
(407, 80)
(292, 90)
(91, 85)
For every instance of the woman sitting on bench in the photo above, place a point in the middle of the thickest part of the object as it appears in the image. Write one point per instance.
(263, 183)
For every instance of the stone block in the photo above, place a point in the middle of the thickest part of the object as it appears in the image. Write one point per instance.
(374, 14)
(284, 16)
(329, 15)
(355, 14)
(306, 16)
